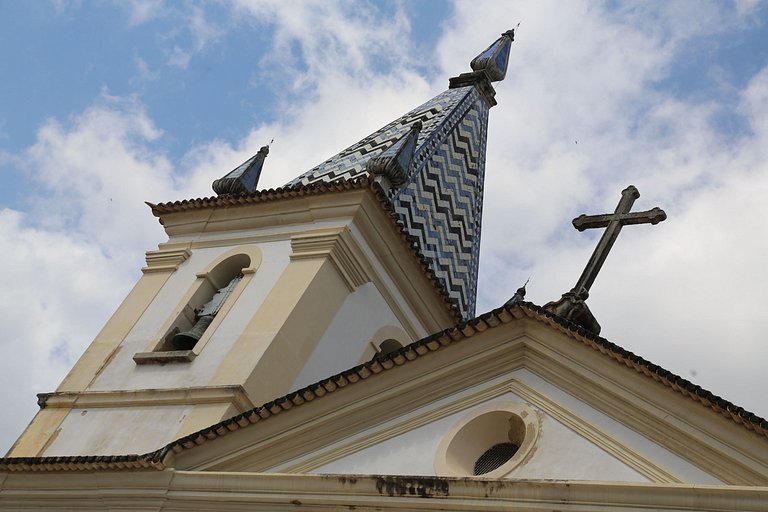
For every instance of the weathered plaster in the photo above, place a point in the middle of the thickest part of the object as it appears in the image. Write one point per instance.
(347, 338)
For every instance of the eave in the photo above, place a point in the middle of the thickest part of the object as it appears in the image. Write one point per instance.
(194, 490)
(382, 365)
(165, 210)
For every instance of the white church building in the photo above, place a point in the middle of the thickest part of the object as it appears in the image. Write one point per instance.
(316, 347)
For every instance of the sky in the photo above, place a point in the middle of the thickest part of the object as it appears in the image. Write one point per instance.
(105, 105)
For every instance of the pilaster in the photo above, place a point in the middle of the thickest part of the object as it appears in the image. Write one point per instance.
(326, 266)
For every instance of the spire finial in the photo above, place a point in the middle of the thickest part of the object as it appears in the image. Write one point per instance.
(489, 66)
(244, 178)
(519, 295)
(494, 60)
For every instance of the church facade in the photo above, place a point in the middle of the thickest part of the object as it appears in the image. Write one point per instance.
(317, 347)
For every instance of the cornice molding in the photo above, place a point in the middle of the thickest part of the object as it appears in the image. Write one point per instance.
(234, 395)
(600, 438)
(404, 274)
(347, 413)
(250, 213)
(166, 259)
(287, 436)
(338, 246)
(193, 490)
(660, 420)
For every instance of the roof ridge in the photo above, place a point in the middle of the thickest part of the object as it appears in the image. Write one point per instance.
(458, 332)
(435, 341)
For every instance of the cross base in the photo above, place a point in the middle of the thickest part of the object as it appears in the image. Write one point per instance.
(573, 308)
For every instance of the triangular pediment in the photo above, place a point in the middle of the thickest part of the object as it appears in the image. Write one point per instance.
(594, 415)
(435, 438)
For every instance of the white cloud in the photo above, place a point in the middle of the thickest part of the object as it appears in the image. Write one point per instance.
(95, 169)
(747, 7)
(142, 11)
(145, 73)
(178, 58)
(315, 40)
(580, 116)
(754, 104)
(203, 30)
(65, 7)
(58, 290)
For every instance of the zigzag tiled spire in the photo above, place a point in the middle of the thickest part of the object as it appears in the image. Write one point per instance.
(431, 161)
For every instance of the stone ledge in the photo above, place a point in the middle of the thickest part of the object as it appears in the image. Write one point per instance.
(166, 260)
(171, 356)
(120, 398)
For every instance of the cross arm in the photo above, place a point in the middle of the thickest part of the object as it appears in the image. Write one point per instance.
(652, 216)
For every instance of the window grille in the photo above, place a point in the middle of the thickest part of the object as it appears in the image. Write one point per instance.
(494, 457)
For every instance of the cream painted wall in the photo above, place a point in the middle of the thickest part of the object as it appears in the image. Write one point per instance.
(418, 330)
(123, 373)
(677, 465)
(565, 454)
(560, 452)
(348, 337)
(114, 432)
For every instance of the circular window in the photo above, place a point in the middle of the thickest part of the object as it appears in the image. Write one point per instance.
(494, 457)
(490, 441)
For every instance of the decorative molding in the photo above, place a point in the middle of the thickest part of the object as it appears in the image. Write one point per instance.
(600, 438)
(235, 395)
(495, 354)
(152, 356)
(679, 443)
(166, 260)
(259, 492)
(622, 402)
(163, 357)
(340, 247)
(402, 281)
(251, 214)
(509, 421)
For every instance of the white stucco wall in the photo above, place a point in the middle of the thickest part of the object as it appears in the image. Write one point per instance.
(560, 452)
(139, 429)
(665, 458)
(348, 336)
(114, 432)
(123, 373)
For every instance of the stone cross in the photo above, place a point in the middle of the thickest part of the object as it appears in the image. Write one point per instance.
(614, 222)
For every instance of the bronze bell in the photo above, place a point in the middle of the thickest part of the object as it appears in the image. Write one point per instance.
(186, 340)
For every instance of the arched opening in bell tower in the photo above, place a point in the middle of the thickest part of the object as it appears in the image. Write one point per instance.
(213, 290)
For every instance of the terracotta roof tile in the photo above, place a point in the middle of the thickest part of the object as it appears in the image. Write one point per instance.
(318, 188)
(82, 462)
(381, 363)
(506, 314)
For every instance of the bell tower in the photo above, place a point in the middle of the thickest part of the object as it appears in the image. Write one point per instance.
(260, 292)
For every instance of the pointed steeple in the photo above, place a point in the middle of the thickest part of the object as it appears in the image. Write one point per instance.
(489, 66)
(244, 178)
(431, 165)
(493, 61)
(392, 165)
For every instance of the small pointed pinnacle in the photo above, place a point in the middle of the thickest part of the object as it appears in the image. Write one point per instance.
(518, 296)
